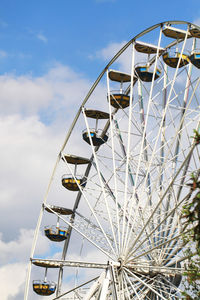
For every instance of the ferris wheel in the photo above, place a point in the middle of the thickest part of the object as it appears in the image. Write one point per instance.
(114, 201)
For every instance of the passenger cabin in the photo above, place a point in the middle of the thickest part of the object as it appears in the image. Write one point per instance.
(195, 32)
(175, 33)
(73, 184)
(145, 74)
(172, 59)
(59, 210)
(97, 136)
(56, 233)
(148, 48)
(175, 58)
(195, 58)
(119, 99)
(46, 263)
(44, 288)
(76, 182)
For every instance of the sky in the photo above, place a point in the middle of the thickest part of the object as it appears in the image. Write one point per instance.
(51, 51)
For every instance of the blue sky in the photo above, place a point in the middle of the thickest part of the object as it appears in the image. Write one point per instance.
(36, 33)
(51, 51)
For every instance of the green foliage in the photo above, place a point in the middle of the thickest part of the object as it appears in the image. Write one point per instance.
(196, 137)
(191, 213)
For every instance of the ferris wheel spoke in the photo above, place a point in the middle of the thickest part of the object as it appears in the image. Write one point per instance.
(128, 281)
(177, 68)
(86, 223)
(114, 166)
(147, 114)
(124, 151)
(170, 238)
(125, 205)
(161, 223)
(126, 292)
(180, 188)
(129, 168)
(136, 288)
(171, 231)
(173, 259)
(164, 290)
(142, 118)
(91, 209)
(150, 162)
(171, 252)
(168, 284)
(165, 193)
(119, 206)
(179, 191)
(162, 285)
(183, 113)
(95, 288)
(162, 147)
(166, 101)
(169, 226)
(76, 288)
(85, 236)
(130, 172)
(148, 285)
(171, 212)
(102, 186)
(169, 247)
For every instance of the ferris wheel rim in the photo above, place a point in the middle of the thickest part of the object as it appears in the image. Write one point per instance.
(81, 109)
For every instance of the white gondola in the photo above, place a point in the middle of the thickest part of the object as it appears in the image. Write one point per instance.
(96, 135)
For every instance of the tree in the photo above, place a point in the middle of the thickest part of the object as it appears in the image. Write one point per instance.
(191, 214)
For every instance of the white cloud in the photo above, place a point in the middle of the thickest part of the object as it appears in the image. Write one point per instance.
(29, 149)
(108, 52)
(11, 278)
(27, 95)
(196, 21)
(29, 146)
(14, 257)
(42, 37)
(19, 249)
(36, 144)
(28, 152)
(23, 93)
(3, 54)
(123, 62)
